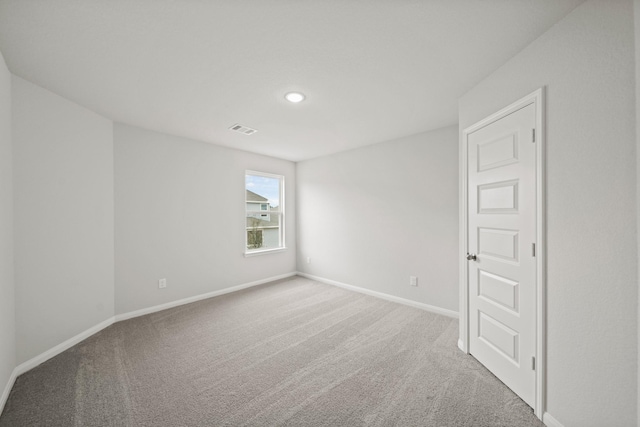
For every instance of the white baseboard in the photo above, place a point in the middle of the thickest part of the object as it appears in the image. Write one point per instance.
(549, 421)
(148, 310)
(54, 351)
(404, 301)
(7, 389)
(43, 357)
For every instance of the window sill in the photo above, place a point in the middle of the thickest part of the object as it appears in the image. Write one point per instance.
(264, 251)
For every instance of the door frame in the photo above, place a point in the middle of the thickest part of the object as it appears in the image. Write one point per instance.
(538, 99)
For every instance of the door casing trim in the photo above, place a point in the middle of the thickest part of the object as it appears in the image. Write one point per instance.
(538, 99)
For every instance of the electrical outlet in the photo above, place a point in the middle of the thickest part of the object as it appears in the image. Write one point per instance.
(413, 281)
(308, 260)
(162, 283)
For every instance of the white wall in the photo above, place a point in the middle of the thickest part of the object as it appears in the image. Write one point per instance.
(374, 216)
(7, 299)
(63, 215)
(180, 208)
(636, 14)
(586, 62)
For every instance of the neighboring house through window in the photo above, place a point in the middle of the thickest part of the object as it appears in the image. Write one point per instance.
(264, 206)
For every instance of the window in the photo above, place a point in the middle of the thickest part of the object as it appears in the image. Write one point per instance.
(264, 211)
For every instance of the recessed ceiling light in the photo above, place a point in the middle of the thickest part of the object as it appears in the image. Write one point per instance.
(294, 97)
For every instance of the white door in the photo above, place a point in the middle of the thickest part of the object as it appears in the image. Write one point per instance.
(501, 173)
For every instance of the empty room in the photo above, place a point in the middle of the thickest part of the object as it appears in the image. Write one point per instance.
(319, 213)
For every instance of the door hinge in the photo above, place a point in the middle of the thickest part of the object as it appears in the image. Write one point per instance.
(533, 363)
(533, 249)
(533, 135)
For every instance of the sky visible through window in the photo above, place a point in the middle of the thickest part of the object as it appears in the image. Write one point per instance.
(265, 187)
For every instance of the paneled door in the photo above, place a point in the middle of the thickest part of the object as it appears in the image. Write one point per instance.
(501, 236)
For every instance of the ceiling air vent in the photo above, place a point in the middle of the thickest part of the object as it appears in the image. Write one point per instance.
(243, 129)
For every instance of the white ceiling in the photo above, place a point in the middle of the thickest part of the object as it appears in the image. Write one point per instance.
(372, 70)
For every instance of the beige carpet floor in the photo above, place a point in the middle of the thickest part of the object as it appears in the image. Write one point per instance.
(288, 353)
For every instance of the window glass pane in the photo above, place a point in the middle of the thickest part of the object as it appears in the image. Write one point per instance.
(267, 189)
(263, 233)
(254, 239)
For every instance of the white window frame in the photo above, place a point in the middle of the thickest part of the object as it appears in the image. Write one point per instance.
(280, 213)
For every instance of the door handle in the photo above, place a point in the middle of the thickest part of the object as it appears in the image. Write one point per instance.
(471, 257)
